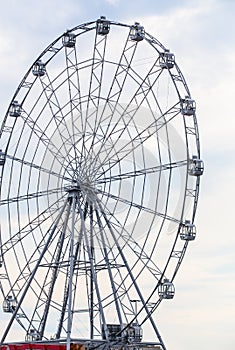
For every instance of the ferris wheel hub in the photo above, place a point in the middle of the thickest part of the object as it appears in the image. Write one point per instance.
(86, 189)
(73, 190)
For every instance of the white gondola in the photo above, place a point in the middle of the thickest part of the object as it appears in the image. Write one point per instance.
(39, 69)
(103, 26)
(188, 231)
(137, 32)
(113, 331)
(9, 304)
(134, 333)
(188, 106)
(166, 290)
(196, 166)
(15, 109)
(32, 335)
(2, 157)
(167, 60)
(69, 40)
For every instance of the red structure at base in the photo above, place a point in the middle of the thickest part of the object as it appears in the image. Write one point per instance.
(40, 346)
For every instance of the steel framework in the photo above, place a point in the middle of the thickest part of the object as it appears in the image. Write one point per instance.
(100, 172)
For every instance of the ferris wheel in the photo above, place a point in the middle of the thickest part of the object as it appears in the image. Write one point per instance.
(100, 169)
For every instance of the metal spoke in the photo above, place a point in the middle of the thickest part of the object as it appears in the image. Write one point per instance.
(28, 196)
(38, 167)
(142, 172)
(139, 206)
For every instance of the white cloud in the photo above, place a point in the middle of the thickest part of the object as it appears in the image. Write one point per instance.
(113, 2)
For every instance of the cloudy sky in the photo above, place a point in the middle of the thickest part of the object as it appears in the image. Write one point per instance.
(201, 33)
